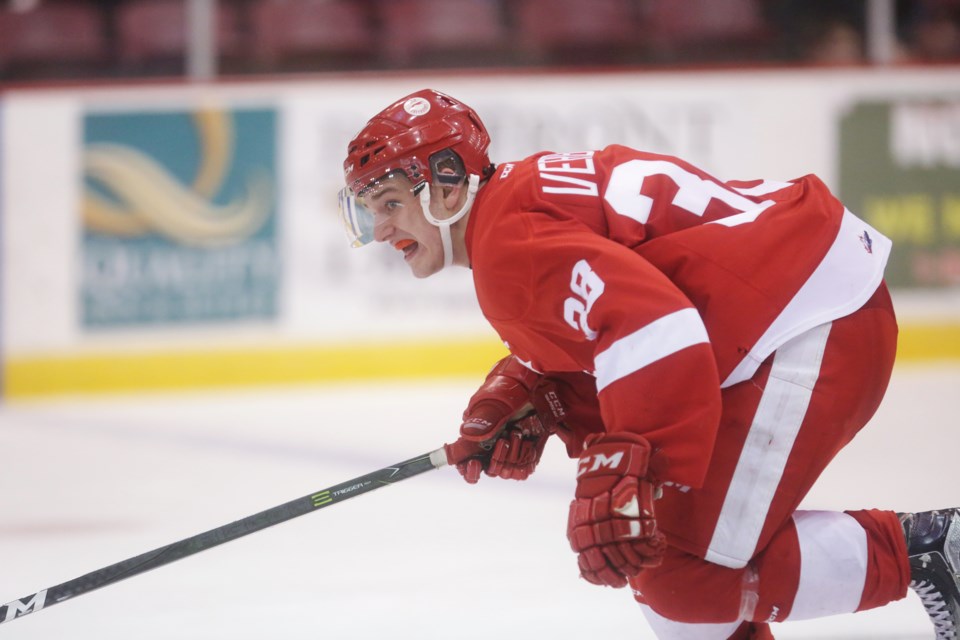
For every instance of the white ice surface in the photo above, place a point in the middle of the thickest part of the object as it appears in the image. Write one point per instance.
(85, 483)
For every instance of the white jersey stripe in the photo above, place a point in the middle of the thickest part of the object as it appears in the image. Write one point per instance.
(659, 339)
(833, 564)
(782, 407)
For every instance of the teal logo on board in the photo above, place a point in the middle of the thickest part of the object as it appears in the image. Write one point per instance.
(179, 215)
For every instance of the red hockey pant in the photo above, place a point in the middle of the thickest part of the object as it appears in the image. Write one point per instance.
(740, 552)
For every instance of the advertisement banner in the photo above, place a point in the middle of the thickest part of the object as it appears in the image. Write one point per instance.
(179, 217)
(900, 170)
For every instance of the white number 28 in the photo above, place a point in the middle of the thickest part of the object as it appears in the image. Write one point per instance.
(586, 286)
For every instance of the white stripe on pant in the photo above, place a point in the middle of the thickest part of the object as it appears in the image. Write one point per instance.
(782, 408)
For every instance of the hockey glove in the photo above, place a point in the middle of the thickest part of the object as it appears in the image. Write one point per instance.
(506, 424)
(612, 525)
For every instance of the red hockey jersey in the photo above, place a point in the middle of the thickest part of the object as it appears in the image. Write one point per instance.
(661, 281)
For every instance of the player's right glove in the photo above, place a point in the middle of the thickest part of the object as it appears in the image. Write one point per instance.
(506, 424)
(612, 525)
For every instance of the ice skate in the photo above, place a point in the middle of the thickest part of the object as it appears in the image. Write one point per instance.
(933, 545)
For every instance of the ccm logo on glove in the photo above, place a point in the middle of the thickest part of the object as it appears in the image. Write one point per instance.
(589, 464)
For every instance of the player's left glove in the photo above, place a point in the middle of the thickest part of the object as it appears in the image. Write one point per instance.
(612, 525)
(506, 424)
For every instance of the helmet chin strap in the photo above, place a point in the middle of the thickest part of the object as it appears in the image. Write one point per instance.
(473, 184)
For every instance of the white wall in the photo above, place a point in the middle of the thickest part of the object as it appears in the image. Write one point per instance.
(776, 124)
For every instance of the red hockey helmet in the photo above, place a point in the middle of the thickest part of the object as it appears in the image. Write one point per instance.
(404, 136)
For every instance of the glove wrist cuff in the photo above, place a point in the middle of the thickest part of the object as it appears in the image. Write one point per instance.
(511, 367)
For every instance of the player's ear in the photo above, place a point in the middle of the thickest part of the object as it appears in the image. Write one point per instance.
(452, 193)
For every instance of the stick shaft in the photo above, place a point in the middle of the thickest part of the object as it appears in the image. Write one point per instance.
(214, 537)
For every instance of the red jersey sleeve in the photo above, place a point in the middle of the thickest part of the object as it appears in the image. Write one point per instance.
(565, 299)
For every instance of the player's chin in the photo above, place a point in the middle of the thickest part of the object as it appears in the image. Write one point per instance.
(422, 273)
(424, 268)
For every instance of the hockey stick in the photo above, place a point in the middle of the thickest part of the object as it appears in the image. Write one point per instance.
(203, 541)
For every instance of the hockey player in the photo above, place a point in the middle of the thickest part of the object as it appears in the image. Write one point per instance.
(703, 347)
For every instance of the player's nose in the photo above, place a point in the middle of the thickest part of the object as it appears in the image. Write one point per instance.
(382, 229)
